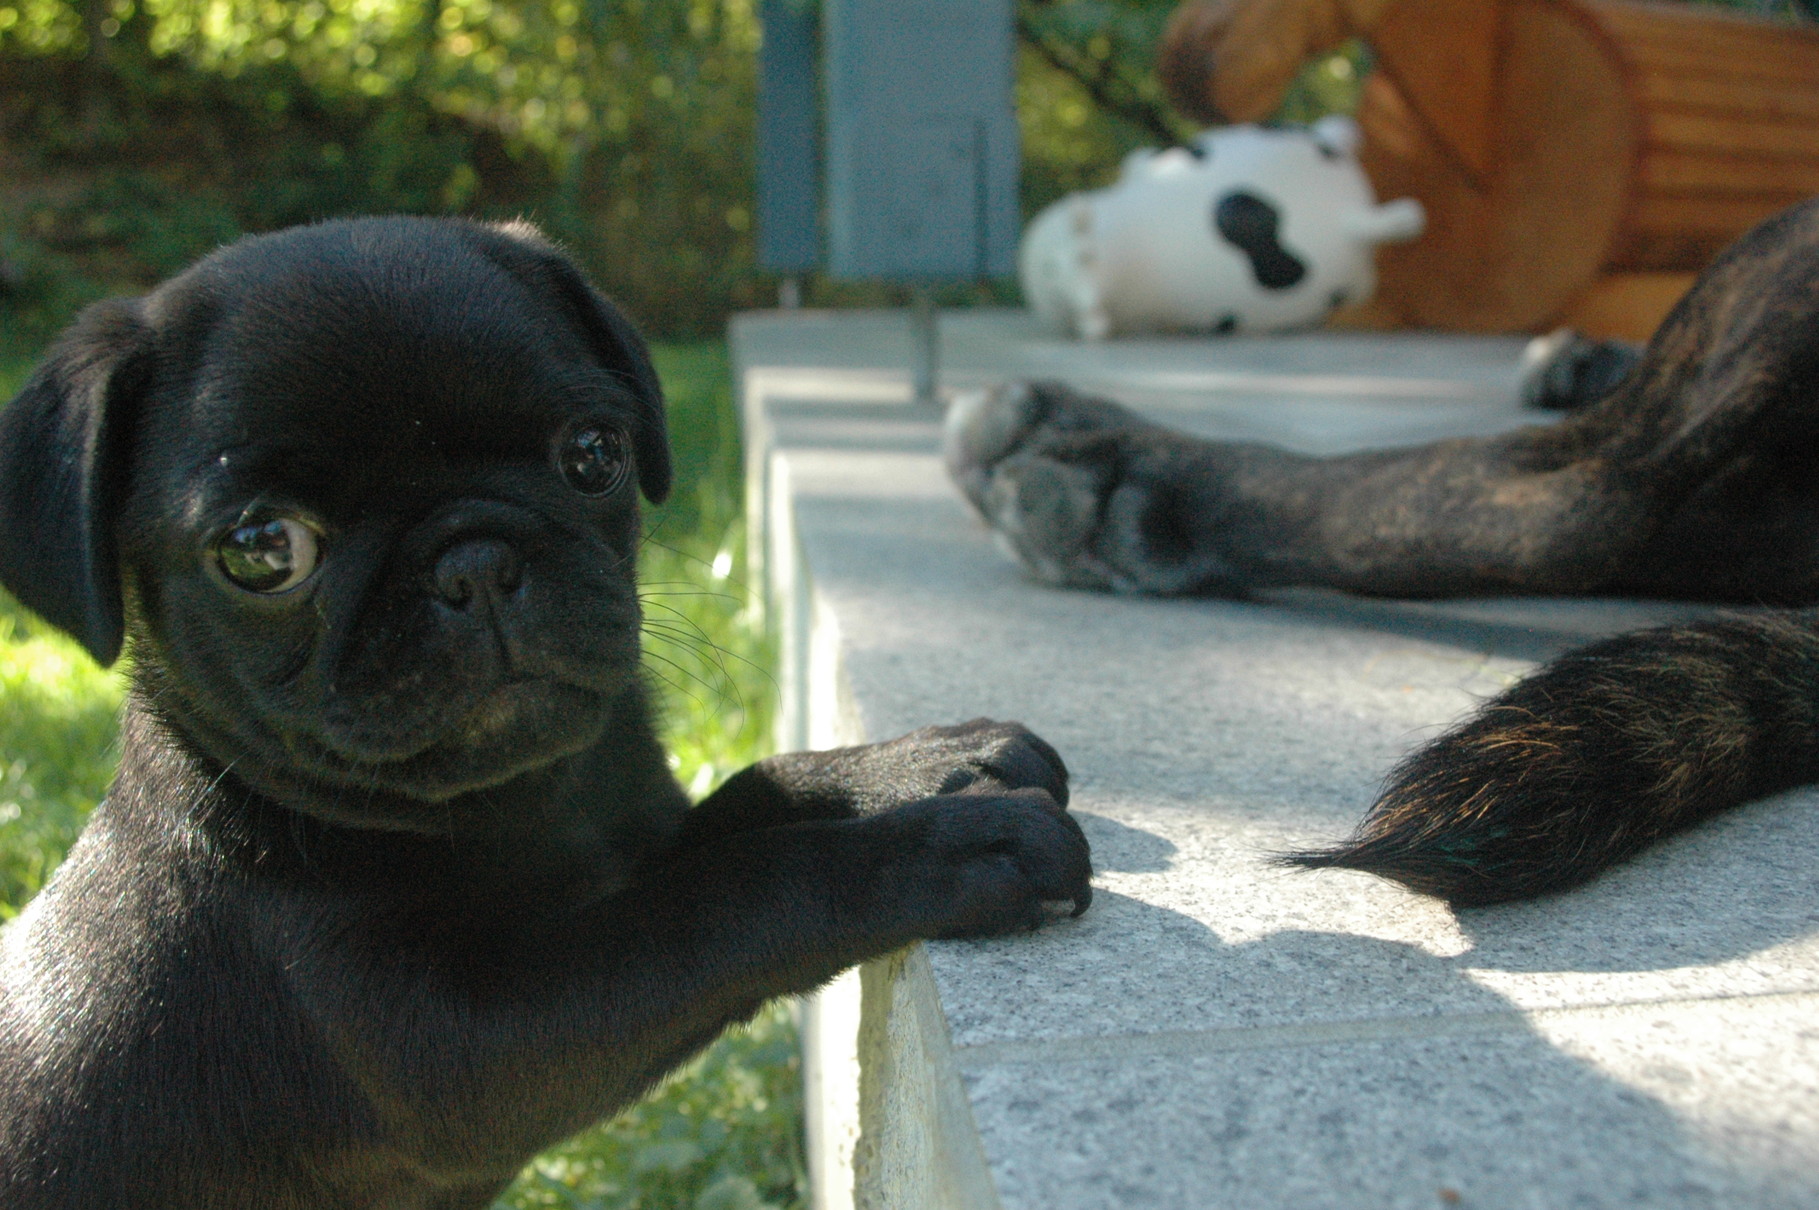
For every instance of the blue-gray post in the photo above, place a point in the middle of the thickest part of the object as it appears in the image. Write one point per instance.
(922, 152)
(789, 138)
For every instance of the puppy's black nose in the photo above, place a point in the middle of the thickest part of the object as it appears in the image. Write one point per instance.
(478, 567)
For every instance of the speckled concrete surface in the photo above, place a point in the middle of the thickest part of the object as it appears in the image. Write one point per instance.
(1216, 1031)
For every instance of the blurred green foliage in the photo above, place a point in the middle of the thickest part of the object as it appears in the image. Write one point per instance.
(724, 1133)
(57, 751)
(1086, 94)
(702, 639)
(136, 134)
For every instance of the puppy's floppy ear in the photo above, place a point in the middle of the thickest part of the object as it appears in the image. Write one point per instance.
(62, 473)
(615, 341)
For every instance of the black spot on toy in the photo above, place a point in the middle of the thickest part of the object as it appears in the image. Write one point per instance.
(1249, 224)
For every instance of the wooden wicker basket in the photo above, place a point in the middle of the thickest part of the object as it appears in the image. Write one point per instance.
(1580, 160)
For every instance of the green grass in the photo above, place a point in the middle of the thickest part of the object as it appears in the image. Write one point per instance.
(724, 1133)
(57, 723)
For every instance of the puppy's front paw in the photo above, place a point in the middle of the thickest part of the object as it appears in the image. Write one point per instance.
(978, 757)
(979, 864)
(982, 756)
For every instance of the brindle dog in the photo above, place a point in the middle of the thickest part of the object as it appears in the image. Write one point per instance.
(1697, 477)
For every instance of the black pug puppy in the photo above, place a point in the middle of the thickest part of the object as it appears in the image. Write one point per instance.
(394, 887)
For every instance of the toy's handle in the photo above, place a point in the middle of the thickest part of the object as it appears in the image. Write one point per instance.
(1391, 223)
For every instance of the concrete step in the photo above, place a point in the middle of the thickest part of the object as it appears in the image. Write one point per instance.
(1217, 1032)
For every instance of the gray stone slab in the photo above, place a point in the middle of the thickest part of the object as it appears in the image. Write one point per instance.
(1218, 1031)
(1657, 1105)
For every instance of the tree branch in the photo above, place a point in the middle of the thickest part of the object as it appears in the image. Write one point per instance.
(1101, 81)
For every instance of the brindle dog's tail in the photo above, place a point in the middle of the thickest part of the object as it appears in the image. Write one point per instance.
(1598, 755)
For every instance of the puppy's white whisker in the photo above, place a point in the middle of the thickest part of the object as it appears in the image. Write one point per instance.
(703, 682)
(698, 642)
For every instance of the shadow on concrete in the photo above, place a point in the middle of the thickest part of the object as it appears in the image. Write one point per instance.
(1523, 628)
(1353, 1071)
(1124, 849)
(1730, 888)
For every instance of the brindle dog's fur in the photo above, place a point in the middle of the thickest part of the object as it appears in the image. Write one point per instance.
(1696, 477)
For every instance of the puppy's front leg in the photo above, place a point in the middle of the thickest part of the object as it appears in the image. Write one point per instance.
(981, 756)
(495, 1041)
(707, 934)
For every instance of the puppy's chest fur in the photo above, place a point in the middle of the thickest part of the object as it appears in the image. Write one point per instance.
(348, 996)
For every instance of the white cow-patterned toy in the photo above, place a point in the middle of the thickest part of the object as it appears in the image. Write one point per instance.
(1248, 228)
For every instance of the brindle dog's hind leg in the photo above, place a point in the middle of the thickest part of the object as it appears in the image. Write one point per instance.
(1690, 479)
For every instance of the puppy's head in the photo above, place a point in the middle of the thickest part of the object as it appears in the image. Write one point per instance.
(364, 497)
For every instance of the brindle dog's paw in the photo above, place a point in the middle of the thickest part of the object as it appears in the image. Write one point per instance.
(1077, 490)
(1009, 451)
(997, 863)
(1564, 371)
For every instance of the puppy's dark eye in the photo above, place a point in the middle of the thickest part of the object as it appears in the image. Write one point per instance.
(594, 460)
(268, 554)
